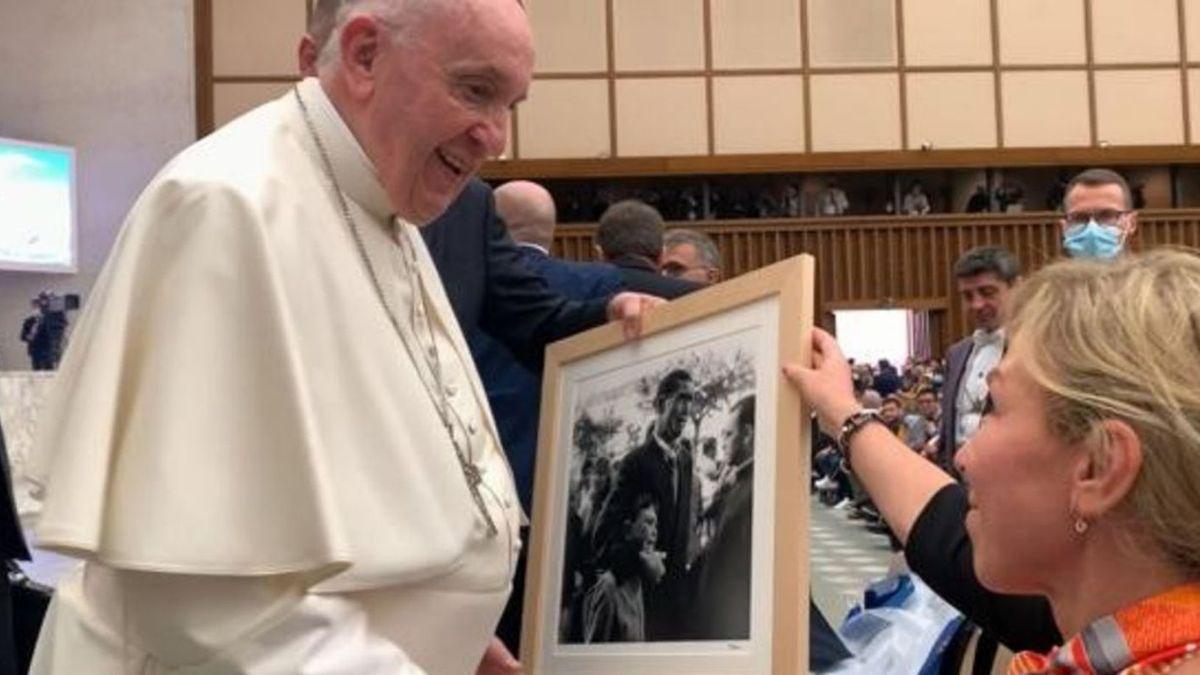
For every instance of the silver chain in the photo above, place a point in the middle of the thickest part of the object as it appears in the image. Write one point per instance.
(437, 392)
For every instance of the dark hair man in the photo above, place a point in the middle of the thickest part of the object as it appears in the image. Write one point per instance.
(923, 425)
(985, 275)
(630, 236)
(661, 467)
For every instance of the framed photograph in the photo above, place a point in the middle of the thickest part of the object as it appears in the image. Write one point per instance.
(671, 500)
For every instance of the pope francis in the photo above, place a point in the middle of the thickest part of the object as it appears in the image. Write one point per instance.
(268, 442)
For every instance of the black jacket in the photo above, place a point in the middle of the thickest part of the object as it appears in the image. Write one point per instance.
(642, 276)
(956, 366)
(12, 540)
(490, 289)
(645, 470)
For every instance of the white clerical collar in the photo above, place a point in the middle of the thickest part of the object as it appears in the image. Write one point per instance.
(982, 337)
(355, 172)
(540, 249)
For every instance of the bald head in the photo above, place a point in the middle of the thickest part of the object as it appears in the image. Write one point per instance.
(528, 210)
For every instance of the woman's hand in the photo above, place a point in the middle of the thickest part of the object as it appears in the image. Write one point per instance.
(827, 386)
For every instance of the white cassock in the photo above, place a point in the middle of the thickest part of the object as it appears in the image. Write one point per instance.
(240, 446)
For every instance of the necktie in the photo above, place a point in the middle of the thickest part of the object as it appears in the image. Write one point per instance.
(673, 468)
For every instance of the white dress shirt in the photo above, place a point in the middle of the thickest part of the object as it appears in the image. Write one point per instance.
(973, 388)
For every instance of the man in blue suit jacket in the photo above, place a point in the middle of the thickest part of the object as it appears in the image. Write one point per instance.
(514, 386)
(492, 289)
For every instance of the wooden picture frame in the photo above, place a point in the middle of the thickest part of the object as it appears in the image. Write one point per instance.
(633, 568)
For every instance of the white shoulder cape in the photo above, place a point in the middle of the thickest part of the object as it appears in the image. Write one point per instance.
(234, 400)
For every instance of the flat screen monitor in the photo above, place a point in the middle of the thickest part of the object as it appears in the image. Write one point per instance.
(37, 207)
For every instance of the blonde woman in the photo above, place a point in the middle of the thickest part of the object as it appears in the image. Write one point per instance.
(1083, 484)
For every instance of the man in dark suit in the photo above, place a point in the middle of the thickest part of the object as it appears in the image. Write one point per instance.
(513, 389)
(17, 634)
(662, 468)
(723, 606)
(514, 386)
(985, 275)
(630, 236)
(492, 290)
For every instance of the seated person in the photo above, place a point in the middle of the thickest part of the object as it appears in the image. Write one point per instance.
(892, 413)
(1080, 484)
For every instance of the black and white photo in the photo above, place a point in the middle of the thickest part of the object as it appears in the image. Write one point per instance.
(660, 497)
(667, 527)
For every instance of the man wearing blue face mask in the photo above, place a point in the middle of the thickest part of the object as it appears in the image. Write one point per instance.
(1099, 218)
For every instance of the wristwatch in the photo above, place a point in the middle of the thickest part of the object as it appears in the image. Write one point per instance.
(852, 426)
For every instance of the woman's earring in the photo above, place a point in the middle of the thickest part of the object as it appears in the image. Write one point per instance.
(1081, 526)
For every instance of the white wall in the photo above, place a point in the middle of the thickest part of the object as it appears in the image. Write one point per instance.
(115, 79)
(867, 335)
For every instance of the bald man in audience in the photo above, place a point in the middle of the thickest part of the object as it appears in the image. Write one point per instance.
(528, 211)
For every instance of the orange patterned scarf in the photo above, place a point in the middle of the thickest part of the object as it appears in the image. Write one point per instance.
(1145, 637)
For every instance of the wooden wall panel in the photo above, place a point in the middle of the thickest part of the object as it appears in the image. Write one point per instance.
(895, 262)
(1053, 64)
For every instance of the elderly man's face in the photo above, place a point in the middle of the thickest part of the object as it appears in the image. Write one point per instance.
(442, 100)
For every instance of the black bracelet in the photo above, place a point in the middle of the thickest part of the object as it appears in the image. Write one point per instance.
(854, 424)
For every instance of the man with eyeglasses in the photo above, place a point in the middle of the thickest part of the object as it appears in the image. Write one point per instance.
(1099, 219)
(690, 254)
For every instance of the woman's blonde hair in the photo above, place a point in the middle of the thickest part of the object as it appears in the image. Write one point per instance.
(1121, 340)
